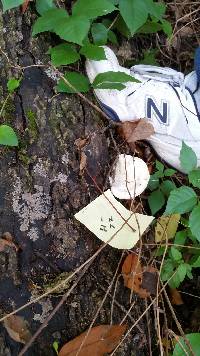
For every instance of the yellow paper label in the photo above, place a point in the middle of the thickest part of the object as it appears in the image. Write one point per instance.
(106, 218)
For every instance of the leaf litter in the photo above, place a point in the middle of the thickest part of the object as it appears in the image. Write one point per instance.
(101, 339)
(18, 328)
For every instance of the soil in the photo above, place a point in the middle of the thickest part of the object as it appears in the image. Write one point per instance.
(41, 188)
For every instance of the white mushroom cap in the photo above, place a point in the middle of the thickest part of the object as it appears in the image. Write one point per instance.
(130, 178)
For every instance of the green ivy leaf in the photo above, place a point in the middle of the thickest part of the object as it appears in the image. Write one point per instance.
(176, 254)
(110, 79)
(167, 186)
(188, 158)
(13, 84)
(93, 52)
(44, 5)
(77, 80)
(194, 222)
(194, 178)
(92, 9)
(156, 201)
(73, 29)
(63, 54)
(8, 136)
(134, 13)
(10, 4)
(194, 340)
(49, 21)
(99, 34)
(181, 200)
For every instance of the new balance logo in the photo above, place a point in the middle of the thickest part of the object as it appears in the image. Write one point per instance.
(160, 113)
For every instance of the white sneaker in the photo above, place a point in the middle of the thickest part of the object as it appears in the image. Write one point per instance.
(164, 96)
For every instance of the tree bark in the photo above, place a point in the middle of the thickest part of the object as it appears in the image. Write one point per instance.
(41, 189)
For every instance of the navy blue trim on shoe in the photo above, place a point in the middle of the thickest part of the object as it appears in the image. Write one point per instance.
(110, 112)
(193, 98)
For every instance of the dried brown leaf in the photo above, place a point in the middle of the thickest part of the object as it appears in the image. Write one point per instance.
(25, 6)
(83, 162)
(176, 297)
(81, 142)
(18, 328)
(6, 240)
(137, 130)
(101, 339)
(132, 274)
(142, 280)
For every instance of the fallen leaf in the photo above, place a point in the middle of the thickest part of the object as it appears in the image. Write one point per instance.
(132, 274)
(83, 162)
(6, 240)
(101, 339)
(176, 297)
(18, 328)
(25, 6)
(81, 142)
(166, 227)
(142, 280)
(137, 130)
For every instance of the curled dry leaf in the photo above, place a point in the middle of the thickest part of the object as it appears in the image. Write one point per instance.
(18, 328)
(25, 6)
(142, 280)
(137, 130)
(101, 339)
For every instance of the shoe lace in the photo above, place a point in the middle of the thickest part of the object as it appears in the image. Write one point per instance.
(165, 74)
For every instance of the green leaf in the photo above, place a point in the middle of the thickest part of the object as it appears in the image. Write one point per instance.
(167, 269)
(167, 27)
(194, 178)
(181, 200)
(167, 186)
(194, 340)
(156, 9)
(169, 172)
(63, 54)
(56, 346)
(49, 21)
(121, 26)
(77, 80)
(188, 158)
(180, 238)
(13, 84)
(153, 182)
(112, 37)
(73, 29)
(176, 254)
(159, 166)
(92, 9)
(194, 222)
(9, 4)
(8, 136)
(150, 27)
(93, 52)
(99, 33)
(111, 78)
(149, 57)
(134, 13)
(116, 86)
(156, 201)
(44, 5)
(196, 264)
(179, 276)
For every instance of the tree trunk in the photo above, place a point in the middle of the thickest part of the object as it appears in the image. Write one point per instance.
(41, 189)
